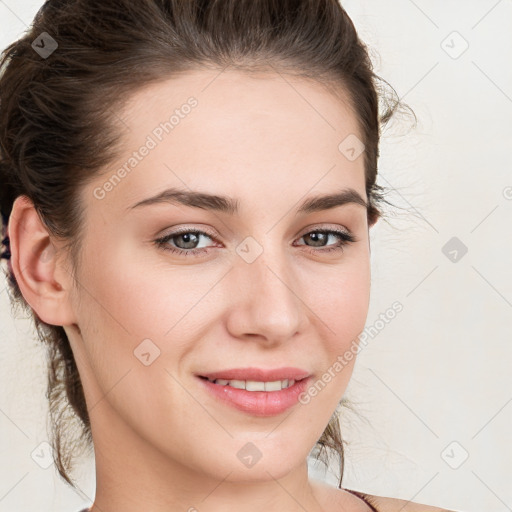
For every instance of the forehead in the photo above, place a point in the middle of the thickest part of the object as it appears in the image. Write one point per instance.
(229, 131)
(232, 99)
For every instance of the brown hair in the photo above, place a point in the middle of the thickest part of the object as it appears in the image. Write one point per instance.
(62, 81)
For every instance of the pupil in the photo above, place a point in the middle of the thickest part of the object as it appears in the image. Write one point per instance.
(317, 237)
(187, 237)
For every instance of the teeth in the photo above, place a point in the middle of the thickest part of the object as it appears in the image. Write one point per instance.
(253, 385)
(275, 385)
(238, 384)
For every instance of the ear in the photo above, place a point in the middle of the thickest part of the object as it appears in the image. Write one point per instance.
(44, 283)
(373, 220)
(371, 224)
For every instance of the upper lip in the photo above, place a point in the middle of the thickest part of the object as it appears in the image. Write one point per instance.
(259, 374)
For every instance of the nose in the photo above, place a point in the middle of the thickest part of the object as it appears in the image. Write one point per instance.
(268, 302)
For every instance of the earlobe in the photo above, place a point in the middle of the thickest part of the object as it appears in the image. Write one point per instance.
(36, 266)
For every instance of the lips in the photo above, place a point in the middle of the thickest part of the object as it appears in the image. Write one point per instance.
(256, 403)
(258, 374)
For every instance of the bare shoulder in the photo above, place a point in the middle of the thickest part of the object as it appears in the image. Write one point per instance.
(334, 499)
(385, 504)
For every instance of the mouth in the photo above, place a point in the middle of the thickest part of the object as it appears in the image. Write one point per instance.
(254, 385)
(253, 374)
(256, 397)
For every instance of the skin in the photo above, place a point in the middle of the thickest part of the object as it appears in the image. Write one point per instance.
(161, 442)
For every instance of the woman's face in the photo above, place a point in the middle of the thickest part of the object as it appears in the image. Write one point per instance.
(260, 287)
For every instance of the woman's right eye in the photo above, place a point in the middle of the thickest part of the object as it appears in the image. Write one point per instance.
(188, 236)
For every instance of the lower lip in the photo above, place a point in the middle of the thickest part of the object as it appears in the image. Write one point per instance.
(258, 403)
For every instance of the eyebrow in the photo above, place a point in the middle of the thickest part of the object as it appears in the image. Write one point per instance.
(230, 206)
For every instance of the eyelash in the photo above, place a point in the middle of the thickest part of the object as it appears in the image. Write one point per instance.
(345, 239)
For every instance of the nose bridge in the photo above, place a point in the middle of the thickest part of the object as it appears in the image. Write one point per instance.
(268, 303)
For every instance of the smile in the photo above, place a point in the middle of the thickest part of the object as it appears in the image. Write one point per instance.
(254, 385)
(257, 398)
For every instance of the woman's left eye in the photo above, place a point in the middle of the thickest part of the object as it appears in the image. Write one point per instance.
(190, 240)
(320, 235)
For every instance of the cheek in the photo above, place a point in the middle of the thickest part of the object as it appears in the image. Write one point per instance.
(135, 322)
(339, 296)
(131, 362)
(341, 304)
(138, 299)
